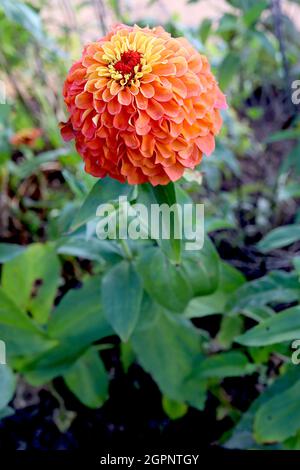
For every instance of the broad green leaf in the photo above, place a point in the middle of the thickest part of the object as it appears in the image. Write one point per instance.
(164, 281)
(149, 314)
(105, 191)
(274, 288)
(174, 409)
(122, 293)
(284, 326)
(9, 251)
(173, 285)
(228, 69)
(79, 316)
(31, 280)
(92, 249)
(243, 434)
(202, 268)
(230, 280)
(53, 363)
(258, 313)
(20, 334)
(88, 380)
(227, 364)
(169, 350)
(7, 385)
(279, 418)
(280, 237)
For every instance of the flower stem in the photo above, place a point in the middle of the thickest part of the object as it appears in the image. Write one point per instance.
(126, 249)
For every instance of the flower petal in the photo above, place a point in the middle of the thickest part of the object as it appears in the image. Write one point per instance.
(147, 90)
(125, 97)
(164, 70)
(113, 106)
(155, 110)
(206, 144)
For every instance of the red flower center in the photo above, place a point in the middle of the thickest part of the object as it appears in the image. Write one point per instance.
(128, 61)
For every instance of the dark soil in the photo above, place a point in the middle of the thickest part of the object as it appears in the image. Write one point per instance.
(133, 414)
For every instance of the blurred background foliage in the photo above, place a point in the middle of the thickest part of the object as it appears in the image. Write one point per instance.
(247, 385)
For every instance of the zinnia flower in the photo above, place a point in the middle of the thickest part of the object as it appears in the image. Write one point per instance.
(143, 106)
(26, 137)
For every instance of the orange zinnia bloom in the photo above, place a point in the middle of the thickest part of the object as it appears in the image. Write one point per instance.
(143, 106)
(26, 137)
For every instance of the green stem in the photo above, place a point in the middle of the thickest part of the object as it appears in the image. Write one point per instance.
(126, 249)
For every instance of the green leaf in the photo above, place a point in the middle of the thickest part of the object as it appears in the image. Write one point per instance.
(279, 238)
(164, 281)
(174, 409)
(196, 274)
(283, 135)
(20, 334)
(202, 269)
(6, 412)
(53, 363)
(169, 351)
(150, 311)
(274, 288)
(9, 251)
(205, 29)
(92, 249)
(87, 379)
(122, 293)
(229, 69)
(258, 314)
(31, 280)
(242, 437)
(79, 316)
(253, 14)
(227, 364)
(104, 191)
(229, 329)
(291, 162)
(284, 326)
(25, 16)
(278, 418)
(230, 280)
(29, 167)
(296, 263)
(7, 385)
